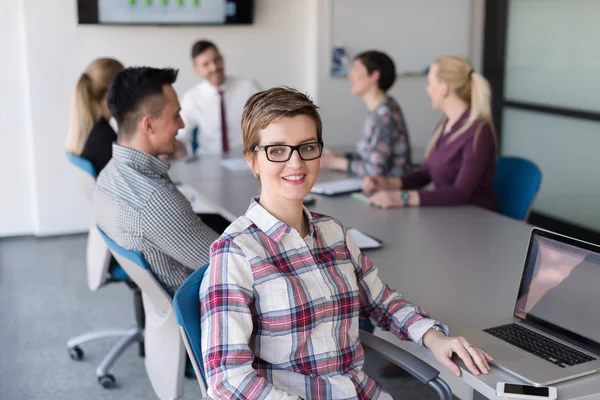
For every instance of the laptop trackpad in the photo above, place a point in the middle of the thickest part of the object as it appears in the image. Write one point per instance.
(504, 353)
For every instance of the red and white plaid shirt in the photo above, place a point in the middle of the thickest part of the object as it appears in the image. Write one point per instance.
(280, 312)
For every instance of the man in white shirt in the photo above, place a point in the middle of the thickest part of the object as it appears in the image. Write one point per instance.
(212, 109)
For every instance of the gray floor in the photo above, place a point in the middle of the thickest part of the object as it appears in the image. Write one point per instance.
(44, 300)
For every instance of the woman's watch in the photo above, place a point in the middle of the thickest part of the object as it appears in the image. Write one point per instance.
(404, 196)
(438, 328)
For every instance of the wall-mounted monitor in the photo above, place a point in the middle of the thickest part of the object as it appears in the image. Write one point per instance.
(165, 12)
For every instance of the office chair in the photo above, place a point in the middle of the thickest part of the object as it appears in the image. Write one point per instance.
(99, 272)
(194, 140)
(187, 308)
(85, 173)
(516, 184)
(165, 353)
(97, 255)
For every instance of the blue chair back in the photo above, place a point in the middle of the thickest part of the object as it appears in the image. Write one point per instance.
(516, 184)
(96, 260)
(165, 356)
(133, 256)
(83, 164)
(187, 309)
(195, 143)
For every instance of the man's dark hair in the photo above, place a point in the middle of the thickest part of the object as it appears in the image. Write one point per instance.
(201, 46)
(137, 88)
(377, 61)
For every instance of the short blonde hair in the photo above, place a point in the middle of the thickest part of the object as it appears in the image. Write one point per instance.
(270, 105)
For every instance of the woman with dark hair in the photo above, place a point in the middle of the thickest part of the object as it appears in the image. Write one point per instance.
(460, 159)
(384, 149)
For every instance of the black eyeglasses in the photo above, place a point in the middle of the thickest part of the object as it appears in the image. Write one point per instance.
(283, 152)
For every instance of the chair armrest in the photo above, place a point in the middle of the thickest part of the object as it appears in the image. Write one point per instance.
(411, 364)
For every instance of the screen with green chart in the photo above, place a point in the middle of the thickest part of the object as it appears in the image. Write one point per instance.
(165, 12)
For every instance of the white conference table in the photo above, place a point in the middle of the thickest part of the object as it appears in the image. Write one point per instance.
(462, 265)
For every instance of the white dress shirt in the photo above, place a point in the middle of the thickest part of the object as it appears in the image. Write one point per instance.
(201, 107)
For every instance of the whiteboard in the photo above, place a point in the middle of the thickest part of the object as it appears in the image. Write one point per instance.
(412, 32)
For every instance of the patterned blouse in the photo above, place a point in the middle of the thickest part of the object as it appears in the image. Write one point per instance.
(384, 149)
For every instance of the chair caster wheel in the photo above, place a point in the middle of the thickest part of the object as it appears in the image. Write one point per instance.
(76, 353)
(107, 381)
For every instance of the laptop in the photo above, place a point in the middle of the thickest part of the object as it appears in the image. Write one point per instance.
(554, 333)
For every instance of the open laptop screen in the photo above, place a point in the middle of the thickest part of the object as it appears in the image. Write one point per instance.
(560, 287)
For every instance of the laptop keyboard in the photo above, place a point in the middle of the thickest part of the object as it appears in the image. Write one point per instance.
(539, 345)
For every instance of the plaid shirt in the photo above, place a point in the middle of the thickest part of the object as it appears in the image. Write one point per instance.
(384, 149)
(280, 313)
(138, 206)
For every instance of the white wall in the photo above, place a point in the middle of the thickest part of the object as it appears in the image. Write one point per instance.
(272, 51)
(343, 114)
(16, 211)
(289, 44)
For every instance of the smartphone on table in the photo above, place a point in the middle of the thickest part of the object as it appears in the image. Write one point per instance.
(517, 391)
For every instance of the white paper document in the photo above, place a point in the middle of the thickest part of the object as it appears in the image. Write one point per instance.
(235, 164)
(363, 241)
(341, 186)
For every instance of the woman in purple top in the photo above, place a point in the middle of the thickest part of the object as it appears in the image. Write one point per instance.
(460, 158)
(384, 149)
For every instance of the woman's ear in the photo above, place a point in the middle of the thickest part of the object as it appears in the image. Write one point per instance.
(251, 161)
(375, 77)
(445, 89)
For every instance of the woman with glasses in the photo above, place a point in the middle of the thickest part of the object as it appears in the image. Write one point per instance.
(281, 300)
(384, 149)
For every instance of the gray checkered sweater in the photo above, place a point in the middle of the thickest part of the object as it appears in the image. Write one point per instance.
(139, 207)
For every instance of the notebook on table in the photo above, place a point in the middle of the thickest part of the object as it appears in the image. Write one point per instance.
(364, 241)
(338, 187)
